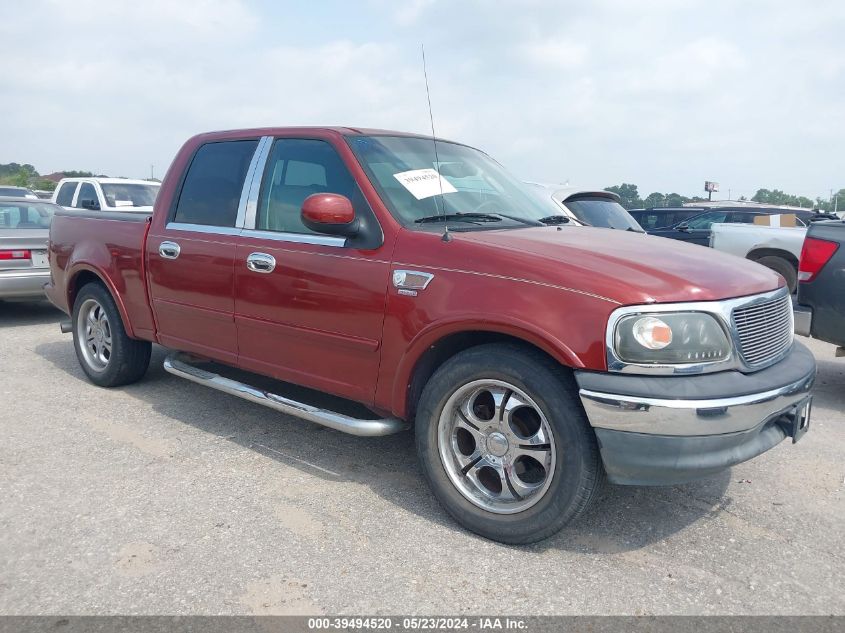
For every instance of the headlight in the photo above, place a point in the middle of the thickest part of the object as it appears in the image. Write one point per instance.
(671, 338)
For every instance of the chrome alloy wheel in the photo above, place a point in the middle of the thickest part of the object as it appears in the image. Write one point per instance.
(94, 333)
(496, 446)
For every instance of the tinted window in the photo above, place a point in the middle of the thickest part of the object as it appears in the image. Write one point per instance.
(296, 169)
(212, 187)
(706, 220)
(602, 212)
(65, 195)
(86, 192)
(34, 216)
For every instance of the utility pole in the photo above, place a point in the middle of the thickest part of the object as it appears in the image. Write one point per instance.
(152, 172)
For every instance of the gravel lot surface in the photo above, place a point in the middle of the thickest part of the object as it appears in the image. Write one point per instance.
(165, 497)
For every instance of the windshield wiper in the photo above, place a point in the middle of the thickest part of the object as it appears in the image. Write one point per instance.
(474, 218)
(556, 219)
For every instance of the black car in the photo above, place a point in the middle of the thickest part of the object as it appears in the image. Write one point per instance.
(820, 312)
(696, 230)
(660, 217)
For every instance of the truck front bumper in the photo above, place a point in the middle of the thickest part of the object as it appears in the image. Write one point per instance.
(657, 430)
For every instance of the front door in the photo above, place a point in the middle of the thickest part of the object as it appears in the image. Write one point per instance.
(190, 261)
(309, 308)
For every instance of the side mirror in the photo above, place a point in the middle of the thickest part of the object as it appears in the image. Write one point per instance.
(683, 226)
(330, 213)
(92, 205)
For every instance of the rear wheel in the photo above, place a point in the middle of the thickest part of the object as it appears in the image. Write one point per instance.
(784, 268)
(505, 443)
(107, 355)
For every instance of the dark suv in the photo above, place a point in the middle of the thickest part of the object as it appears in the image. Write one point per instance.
(659, 217)
(696, 230)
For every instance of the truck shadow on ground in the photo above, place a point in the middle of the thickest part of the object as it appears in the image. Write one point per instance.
(17, 313)
(624, 518)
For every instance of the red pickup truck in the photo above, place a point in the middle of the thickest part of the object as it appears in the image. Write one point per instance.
(419, 279)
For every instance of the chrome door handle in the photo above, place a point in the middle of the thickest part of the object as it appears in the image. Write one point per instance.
(261, 262)
(169, 250)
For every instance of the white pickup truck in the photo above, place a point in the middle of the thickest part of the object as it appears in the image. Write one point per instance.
(775, 247)
(106, 194)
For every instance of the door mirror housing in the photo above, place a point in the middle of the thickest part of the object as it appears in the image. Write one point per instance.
(683, 226)
(92, 205)
(331, 214)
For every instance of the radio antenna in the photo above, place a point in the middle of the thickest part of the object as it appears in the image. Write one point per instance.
(446, 236)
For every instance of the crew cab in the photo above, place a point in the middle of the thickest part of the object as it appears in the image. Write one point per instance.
(109, 194)
(417, 283)
(820, 311)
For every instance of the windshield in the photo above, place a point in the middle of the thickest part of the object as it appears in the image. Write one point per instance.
(25, 216)
(602, 212)
(129, 194)
(18, 192)
(405, 172)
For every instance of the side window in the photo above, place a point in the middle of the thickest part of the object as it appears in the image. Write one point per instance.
(707, 220)
(296, 169)
(65, 195)
(86, 192)
(213, 184)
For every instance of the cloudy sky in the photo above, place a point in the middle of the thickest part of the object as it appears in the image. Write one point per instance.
(661, 93)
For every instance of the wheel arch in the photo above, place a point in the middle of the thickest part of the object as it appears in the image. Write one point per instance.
(84, 274)
(767, 251)
(433, 348)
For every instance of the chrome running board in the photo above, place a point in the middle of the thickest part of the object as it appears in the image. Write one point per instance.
(178, 365)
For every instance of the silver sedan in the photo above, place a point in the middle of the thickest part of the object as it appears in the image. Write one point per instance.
(24, 231)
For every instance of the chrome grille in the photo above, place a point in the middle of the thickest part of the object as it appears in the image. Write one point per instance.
(764, 330)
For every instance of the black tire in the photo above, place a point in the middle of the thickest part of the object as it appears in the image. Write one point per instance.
(784, 268)
(577, 475)
(127, 359)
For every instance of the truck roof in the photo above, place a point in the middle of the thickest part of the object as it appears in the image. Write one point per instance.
(107, 181)
(340, 130)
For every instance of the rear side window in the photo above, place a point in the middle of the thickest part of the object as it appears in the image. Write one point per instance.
(65, 195)
(213, 184)
(86, 192)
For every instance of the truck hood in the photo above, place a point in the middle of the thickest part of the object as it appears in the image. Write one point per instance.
(622, 266)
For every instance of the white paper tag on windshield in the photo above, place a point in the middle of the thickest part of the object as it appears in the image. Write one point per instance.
(423, 183)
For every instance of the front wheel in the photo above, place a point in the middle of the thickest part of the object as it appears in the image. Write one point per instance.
(505, 444)
(107, 355)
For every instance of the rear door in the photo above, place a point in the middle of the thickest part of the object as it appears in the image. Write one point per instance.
(190, 260)
(315, 317)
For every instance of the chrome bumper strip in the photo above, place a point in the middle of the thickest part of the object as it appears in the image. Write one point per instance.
(178, 365)
(691, 417)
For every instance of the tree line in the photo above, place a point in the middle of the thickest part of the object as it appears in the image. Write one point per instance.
(17, 175)
(631, 199)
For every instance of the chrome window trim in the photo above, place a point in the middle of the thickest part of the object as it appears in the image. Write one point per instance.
(296, 238)
(251, 209)
(203, 228)
(246, 190)
(721, 310)
(251, 215)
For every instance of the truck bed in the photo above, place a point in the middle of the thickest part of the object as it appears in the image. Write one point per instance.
(112, 246)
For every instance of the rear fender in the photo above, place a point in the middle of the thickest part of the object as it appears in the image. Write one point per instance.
(75, 269)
